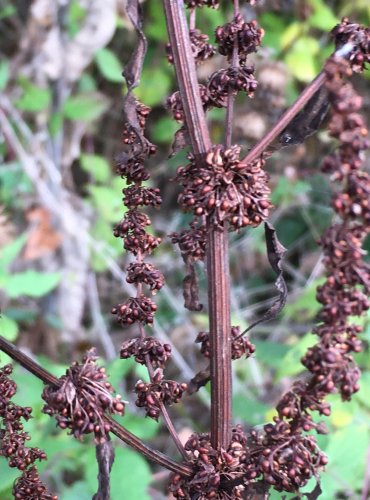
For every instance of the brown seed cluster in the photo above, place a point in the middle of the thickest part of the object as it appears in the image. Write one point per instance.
(132, 228)
(359, 36)
(247, 37)
(288, 459)
(158, 392)
(291, 457)
(146, 348)
(214, 4)
(174, 103)
(13, 441)
(223, 190)
(82, 399)
(239, 346)
(214, 470)
(191, 242)
(143, 272)
(201, 49)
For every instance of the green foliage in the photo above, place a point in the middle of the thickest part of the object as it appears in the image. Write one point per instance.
(34, 99)
(109, 65)
(85, 107)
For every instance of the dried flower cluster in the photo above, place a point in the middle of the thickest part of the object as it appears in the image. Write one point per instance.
(141, 308)
(224, 190)
(246, 36)
(291, 458)
(214, 469)
(201, 49)
(159, 391)
(12, 442)
(240, 346)
(82, 399)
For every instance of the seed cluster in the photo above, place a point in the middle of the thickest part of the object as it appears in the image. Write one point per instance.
(201, 49)
(159, 391)
(214, 469)
(200, 3)
(82, 399)
(290, 457)
(148, 347)
(224, 190)
(247, 36)
(136, 240)
(239, 346)
(13, 439)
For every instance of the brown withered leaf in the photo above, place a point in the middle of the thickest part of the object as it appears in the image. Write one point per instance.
(275, 254)
(191, 289)
(105, 458)
(199, 380)
(43, 239)
(180, 141)
(132, 71)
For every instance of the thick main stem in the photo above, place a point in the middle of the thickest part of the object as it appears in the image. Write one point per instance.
(217, 243)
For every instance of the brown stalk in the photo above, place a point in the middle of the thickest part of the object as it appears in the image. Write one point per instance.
(116, 428)
(285, 119)
(217, 240)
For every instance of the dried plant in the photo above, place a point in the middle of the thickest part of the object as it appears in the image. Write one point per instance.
(224, 192)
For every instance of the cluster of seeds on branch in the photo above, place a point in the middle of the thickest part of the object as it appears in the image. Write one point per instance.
(359, 36)
(247, 36)
(225, 190)
(158, 392)
(201, 49)
(148, 347)
(200, 3)
(30, 487)
(214, 469)
(174, 103)
(290, 457)
(82, 399)
(239, 346)
(141, 308)
(13, 439)
(191, 242)
(132, 230)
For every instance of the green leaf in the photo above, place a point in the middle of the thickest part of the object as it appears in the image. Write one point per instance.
(163, 130)
(30, 283)
(291, 364)
(85, 107)
(154, 87)
(346, 451)
(97, 166)
(10, 251)
(251, 411)
(306, 306)
(301, 59)
(34, 99)
(109, 65)
(8, 328)
(107, 202)
(270, 353)
(4, 73)
(322, 16)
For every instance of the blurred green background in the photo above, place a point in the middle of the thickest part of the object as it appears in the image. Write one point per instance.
(61, 269)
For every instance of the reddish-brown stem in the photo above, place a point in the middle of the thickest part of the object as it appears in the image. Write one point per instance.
(231, 96)
(217, 241)
(285, 119)
(117, 429)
